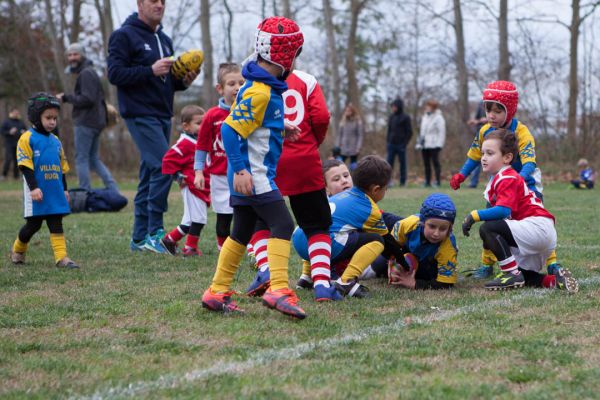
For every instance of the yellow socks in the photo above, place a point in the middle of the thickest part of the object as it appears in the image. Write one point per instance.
(551, 259)
(229, 260)
(306, 268)
(20, 247)
(488, 258)
(278, 253)
(59, 246)
(361, 260)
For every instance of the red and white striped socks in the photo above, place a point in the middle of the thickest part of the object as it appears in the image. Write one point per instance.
(508, 264)
(319, 253)
(259, 245)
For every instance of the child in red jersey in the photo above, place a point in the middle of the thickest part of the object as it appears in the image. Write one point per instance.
(300, 176)
(518, 230)
(179, 161)
(210, 155)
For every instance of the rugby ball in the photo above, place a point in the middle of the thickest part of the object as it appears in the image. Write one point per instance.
(187, 62)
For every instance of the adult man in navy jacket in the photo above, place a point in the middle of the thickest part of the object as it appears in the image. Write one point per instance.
(139, 64)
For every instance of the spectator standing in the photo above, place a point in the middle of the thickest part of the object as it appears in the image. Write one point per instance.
(139, 64)
(398, 136)
(350, 135)
(431, 140)
(89, 118)
(12, 128)
(478, 121)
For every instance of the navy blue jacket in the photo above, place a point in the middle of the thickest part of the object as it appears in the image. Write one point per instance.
(132, 49)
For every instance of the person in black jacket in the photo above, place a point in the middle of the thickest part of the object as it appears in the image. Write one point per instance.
(12, 128)
(398, 136)
(89, 118)
(139, 61)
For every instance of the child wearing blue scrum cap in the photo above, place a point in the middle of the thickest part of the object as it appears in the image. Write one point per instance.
(428, 237)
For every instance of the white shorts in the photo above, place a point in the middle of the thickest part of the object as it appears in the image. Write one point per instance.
(219, 194)
(536, 238)
(194, 209)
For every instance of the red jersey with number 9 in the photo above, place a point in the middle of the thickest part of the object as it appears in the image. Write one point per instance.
(299, 169)
(508, 189)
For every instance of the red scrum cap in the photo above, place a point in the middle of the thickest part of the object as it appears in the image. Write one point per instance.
(503, 93)
(279, 41)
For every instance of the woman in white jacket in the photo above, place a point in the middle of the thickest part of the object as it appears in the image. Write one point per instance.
(432, 137)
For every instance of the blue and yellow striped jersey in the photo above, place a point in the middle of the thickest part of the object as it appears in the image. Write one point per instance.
(408, 233)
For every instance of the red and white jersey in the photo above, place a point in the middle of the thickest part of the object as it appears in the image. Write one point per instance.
(508, 189)
(180, 158)
(299, 169)
(209, 140)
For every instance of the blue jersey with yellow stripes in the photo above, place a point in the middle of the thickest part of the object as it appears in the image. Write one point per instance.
(44, 155)
(408, 232)
(257, 117)
(526, 144)
(353, 210)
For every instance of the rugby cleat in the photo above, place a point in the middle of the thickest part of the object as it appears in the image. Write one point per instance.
(153, 242)
(220, 302)
(305, 282)
(137, 246)
(506, 280)
(285, 301)
(169, 245)
(352, 289)
(565, 280)
(67, 263)
(330, 293)
(191, 252)
(17, 258)
(481, 272)
(260, 284)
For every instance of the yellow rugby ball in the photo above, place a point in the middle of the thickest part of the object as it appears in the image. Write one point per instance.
(187, 62)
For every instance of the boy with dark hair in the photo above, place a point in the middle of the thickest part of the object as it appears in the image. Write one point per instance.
(358, 231)
(179, 162)
(210, 155)
(253, 138)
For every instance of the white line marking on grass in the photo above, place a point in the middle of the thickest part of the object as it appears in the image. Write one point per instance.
(295, 352)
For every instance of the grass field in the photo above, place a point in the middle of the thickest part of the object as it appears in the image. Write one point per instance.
(131, 325)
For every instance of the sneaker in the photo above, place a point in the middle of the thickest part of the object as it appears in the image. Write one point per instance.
(67, 263)
(284, 301)
(260, 284)
(191, 252)
(481, 272)
(305, 282)
(506, 280)
(153, 242)
(565, 280)
(169, 245)
(352, 289)
(17, 258)
(323, 293)
(220, 302)
(137, 246)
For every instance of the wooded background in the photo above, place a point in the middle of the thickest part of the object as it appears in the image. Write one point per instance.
(363, 52)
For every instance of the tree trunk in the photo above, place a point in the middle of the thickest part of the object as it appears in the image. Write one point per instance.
(461, 69)
(573, 81)
(353, 93)
(104, 11)
(504, 66)
(58, 48)
(76, 22)
(332, 55)
(287, 10)
(229, 27)
(208, 91)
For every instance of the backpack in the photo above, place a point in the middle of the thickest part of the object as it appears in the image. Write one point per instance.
(96, 200)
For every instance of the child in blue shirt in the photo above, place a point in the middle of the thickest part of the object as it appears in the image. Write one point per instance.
(587, 176)
(42, 161)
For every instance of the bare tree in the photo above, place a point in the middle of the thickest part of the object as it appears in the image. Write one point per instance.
(229, 26)
(504, 66)
(287, 10)
(353, 93)
(208, 93)
(332, 56)
(461, 69)
(76, 21)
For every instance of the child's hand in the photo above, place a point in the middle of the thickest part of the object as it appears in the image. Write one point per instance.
(37, 195)
(180, 178)
(456, 180)
(242, 182)
(291, 132)
(403, 278)
(199, 179)
(467, 224)
(67, 196)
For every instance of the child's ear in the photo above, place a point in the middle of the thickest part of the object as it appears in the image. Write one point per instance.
(219, 88)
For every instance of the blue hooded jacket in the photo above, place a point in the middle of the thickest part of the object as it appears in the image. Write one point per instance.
(132, 49)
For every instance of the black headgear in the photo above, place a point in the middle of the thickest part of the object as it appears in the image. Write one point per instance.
(37, 104)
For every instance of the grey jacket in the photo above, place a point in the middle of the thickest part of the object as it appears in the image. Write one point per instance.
(89, 108)
(350, 137)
